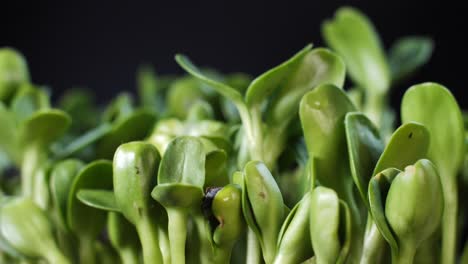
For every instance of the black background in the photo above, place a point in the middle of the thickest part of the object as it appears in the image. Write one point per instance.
(99, 44)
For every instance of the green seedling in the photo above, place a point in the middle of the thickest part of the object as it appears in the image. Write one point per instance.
(321, 66)
(26, 227)
(181, 178)
(263, 207)
(134, 175)
(367, 158)
(434, 106)
(406, 226)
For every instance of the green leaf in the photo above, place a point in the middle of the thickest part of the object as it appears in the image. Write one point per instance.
(294, 245)
(13, 72)
(95, 175)
(148, 87)
(183, 162)
(5, 246)
(26, 227)
(263, 206)
(325, 225)
(352, 35)
(435, 107)
(264, 85)
(83, 141)
(27, 101)
(364, 148)
(178, 195)
(8, 133)
(99, 199)
(322, 112)
(120, 107)
(319, 66)
(379, 186)
(43, 127)
(215, 168)
(61, 180)
(79, 103)
(135, 126)
(213, 134)
(183, 94)
(408, 54)
(408, 144)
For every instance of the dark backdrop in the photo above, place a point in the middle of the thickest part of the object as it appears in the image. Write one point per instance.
(98, 44)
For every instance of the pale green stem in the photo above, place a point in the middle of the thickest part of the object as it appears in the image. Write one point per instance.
(206, 253)
(374, 107)
(164, 244)
(148, 233)
(405, 255)
(253, 248)
(449, 219)
(257, 132)
(86, 251)
(129, 255)
(32, 158)
(177, 226)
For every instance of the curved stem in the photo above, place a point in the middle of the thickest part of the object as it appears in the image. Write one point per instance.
(148, 233)
(31, 161)
(177, 226)
(449, 219)
(253, 248)
(374, 107)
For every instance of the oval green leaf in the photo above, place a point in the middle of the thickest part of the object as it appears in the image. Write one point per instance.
(183, 162)
(61, 179)
(319, 66)
(408, 54)
(322, 112)
(364, 148)
(264, 85)
(353, 36)
(96, 175)
(136, 126)
(99, 199)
